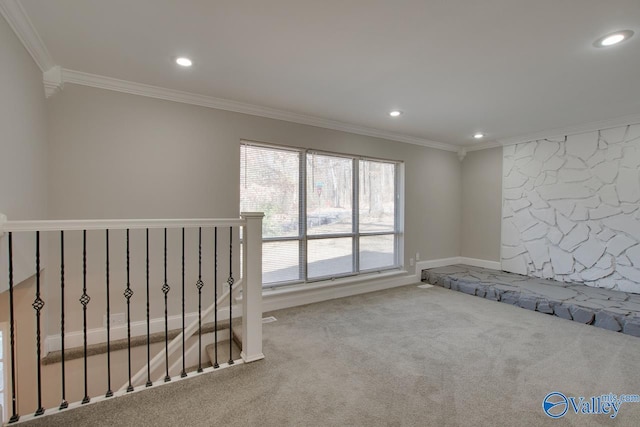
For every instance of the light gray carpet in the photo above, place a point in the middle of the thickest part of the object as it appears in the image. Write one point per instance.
(405, 356)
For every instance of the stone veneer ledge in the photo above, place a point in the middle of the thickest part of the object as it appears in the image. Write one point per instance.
(614, 310)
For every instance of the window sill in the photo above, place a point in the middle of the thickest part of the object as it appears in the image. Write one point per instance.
(301, 287)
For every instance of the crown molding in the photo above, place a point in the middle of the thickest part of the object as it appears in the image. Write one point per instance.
(20, 23)
(572, 130)
(52, 80)
(109, 83)
(482, 146)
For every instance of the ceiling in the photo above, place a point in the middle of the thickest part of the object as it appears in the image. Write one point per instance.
(503, 67)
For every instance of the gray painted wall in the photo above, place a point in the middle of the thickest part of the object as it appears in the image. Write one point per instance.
(23, 145)
(114, 155)
(481, 204)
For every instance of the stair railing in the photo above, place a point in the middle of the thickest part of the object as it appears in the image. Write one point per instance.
(54, 284)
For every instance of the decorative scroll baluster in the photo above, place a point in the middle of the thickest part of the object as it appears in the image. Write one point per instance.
(109, 392)
(165, 290)
(230, 282)
(14, 401)
(128, 293)
(199, 285)
(215, 297)
(184, 371)
(149, 383)
(84, 300)
(37, 305)
(64, 404)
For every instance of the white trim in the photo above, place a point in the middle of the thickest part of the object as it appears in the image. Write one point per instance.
(296, 295)
(255, 357)
(4, 415)
(123, 392)
(52, 80)
(138, 328)
(482, 146)
(462, 152)
(118, 224)
(443, 262)
(433, 263)
(3, 221)
(493, 265)
(20, 23)
(191, 355)
(557, 132)
(103, 82)
(24, 29)
(572, 130)
(109, 83)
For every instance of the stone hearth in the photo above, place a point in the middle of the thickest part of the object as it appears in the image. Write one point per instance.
(614, 310)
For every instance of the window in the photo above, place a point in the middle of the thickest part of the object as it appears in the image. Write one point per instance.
(326, 215)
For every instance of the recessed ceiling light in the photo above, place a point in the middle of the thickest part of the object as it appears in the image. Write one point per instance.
(183, 61)
(613, 38)
(478, 135)
(395, 113)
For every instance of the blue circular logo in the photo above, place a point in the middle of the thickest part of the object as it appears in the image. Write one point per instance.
(555, 404)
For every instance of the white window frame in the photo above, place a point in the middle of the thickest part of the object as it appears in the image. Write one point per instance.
(303, 237)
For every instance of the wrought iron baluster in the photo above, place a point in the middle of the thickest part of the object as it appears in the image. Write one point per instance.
(184, 372)
(109, 392)
(84, 300)
(165, 290)
(230, 282)
(37, 305)
(199, 285)
(215, 297)
(149, 383)
(14, 401)
(128, 293)
(64, 404)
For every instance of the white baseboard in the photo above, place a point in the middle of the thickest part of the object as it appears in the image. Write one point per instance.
(293, 296)
(272, 299)
(443, 262)
(433, 263)
(138, 328)
(493, 265)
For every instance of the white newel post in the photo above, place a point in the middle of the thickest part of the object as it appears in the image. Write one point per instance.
(252, 290)
(3, 220)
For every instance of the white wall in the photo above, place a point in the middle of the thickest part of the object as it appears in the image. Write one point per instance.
(571, 208)
(481, 204)
(23, 147)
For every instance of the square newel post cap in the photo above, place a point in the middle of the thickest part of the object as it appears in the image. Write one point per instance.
(252, 214)
(3, 220)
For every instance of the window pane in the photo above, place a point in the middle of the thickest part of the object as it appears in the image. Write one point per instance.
(377, 252)
(329, 257)
(377, 196)
(329, 194)
(269, 183)
(280, 261)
